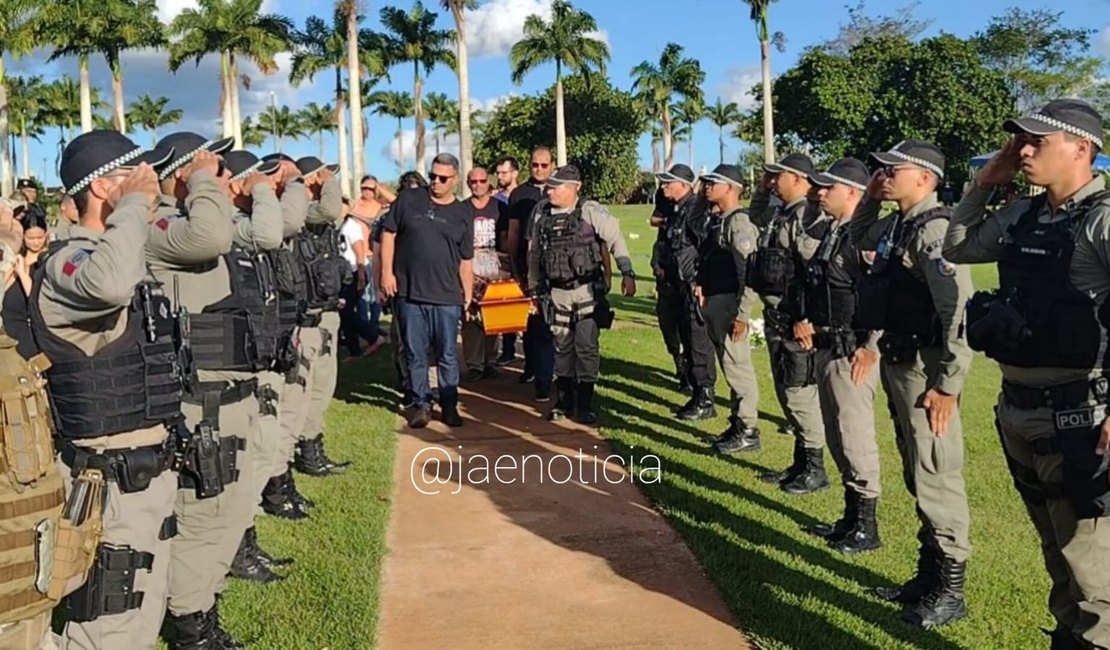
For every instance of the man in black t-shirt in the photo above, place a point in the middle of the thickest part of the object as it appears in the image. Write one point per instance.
(427, 267)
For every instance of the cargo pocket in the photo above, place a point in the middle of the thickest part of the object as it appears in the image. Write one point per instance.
(25, 426)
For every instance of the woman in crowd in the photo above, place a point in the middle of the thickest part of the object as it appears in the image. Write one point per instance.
(361, 311)
(17, 284)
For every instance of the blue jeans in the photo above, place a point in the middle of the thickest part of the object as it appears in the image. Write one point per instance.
(370, 313)
(431, 327)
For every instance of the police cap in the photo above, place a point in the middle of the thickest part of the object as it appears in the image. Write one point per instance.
(186, 144)
(96, 153)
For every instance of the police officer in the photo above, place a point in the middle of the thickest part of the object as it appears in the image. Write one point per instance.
(565, 273)
(789, 238)
(847, 358)
(319, 245)
(258, 223)
(917, 297)
(1046, 326)
(190, 250)
(677, 261)
(115, 385)
(726, 241)
(676, 186)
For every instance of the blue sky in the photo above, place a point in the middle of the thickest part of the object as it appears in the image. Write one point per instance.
(717, 32)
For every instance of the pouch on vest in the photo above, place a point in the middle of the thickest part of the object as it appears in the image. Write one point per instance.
(25, 424)
(78, 534)
(771, 272)
(872, 302)
(795, 365)
(1084, 471)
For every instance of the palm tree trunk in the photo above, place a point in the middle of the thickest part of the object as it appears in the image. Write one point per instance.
(153, 138)
(435, 133)
(560, 119)
(690, 147)
(225, 96)
(26, 149)
(418, 113)
(5, 161)
(341, 135)
(768, 109)
(354, 89)
(400, 148)
(117, 97)
(668, 141)
(721, 142)
(320, 141)
(86, 94)
(466, 145)
(655, 156)
(233, 85)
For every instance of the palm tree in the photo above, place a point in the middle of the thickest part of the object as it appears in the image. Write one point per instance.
(412, 38)
(252, 135)
(722, 115)
(349, 10)
(391, 103)
(134, 24)
(77, 28)
(689, 112)
(758, 15)
(318, 120)
(569, 40)
(320, 47)
(230, 28)
(280, 124)
(151, 114)
(62, 109)
(657, 84)
(26, 108)
(444, 114)
(18, 36)
(462, 60)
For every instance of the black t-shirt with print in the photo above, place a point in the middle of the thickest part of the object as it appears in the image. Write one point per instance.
(431, 241)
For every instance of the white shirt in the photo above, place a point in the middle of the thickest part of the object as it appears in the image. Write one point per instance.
(352, 231)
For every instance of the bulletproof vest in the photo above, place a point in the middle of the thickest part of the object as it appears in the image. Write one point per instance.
(290, 282)
(241, 331)
(1034, 276)
(31, 495)
(569, 252)
(830, 296)
(717, 272)
(773, 269)
(320, 251)
(134, 382)
(679, 259)
(890, 297)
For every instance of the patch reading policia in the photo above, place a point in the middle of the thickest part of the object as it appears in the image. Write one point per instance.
(97, 153)
(1068, 115)
(186, 145)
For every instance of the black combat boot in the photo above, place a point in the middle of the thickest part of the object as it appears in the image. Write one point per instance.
(298, 499)
(864, 536)
(194, 631)
(738, 438)
(700, 406)
(226, 640)
(924, 579)
(248, 566)
(682, 374)
(945, 603)
(812, 478)
(836, 531)
(276, 500)
(564, 399)
(263, 556)
(585, 403)
(309, 458)
(796, 466)
(1064, 639)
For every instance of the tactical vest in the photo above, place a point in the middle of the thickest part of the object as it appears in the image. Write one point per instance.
(569, 252)
(320, 251)
(241, 331)
(717, 272)
(830, 295)
(679, 259)
(773, 269)
(134, 382)
(31, 494)
(1062, 327)
(291, 284)
(890, 297)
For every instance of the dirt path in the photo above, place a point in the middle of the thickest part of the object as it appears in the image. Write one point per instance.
(552, 551)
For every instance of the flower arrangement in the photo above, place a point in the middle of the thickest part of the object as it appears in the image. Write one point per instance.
(756, 336)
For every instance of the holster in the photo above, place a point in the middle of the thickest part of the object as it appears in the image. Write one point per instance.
(325, 342)
(230, 446)
(603, 313)
(267, 400)
(201, 470)
(78, 534)
(131, 469)
(110, 588)
(1084, 471)
(899, 348)
(796, 366)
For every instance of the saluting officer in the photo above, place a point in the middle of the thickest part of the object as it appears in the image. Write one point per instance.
(565, 271)
(847, 358)
(790, 235)
(676, 187)
(108, 329)
(726, 242)
(1047, 327)
(917, 298)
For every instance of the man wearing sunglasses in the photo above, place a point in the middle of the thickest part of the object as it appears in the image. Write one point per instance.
(1047, 328)
(427, 268)
(481, 350)
(917, 297)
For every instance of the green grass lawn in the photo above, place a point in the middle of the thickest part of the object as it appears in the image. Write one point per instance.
(786, 588)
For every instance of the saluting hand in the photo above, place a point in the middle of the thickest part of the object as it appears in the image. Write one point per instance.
(203, 160)
(142, 181)
(940, 407)
(1004, 166)
(875, 185)
(324, 175)
(255, 179)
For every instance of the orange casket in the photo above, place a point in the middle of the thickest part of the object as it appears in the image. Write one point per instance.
(504, 307)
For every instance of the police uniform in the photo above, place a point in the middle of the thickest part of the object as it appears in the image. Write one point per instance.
(1047, 328)
(829, 305)
(789, 238)
(565, 272)
(191, 252)
(665, 209)
(726, 244)
(917, 297)
(115, 388)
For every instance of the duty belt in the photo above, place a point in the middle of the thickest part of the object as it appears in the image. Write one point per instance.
(236, 392)
(309, 320)
(1062, 395)
(115, 463)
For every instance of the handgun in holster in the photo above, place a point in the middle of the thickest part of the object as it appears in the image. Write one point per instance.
(203, 461)
(110, 588)
(325, 344)
(267, 400)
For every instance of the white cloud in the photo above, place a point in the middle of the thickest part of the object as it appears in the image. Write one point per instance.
(391, 152)
(492, 103)
(169, 9)
(1103, 43)
(738, 85)
(495, 26)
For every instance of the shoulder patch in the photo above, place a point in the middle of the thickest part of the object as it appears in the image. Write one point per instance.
(945, 268)
(74, 261)
(746, 245)
(163, 223)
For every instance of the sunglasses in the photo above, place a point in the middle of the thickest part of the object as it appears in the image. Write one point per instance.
(440, 177)
(477, 181)
(537, 165)
(368, 189)
(890, 171)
